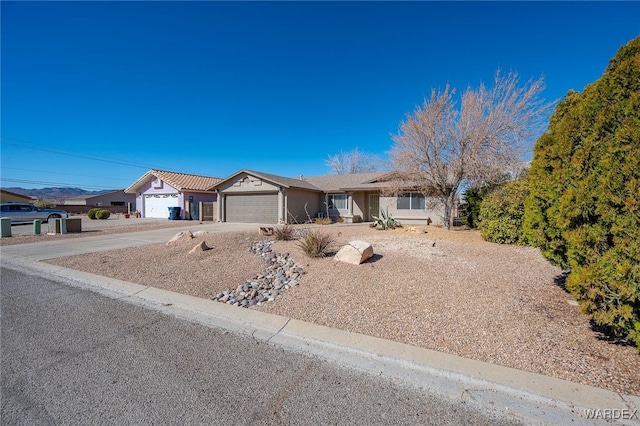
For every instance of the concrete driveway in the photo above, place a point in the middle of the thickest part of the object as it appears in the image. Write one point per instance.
(105, 242)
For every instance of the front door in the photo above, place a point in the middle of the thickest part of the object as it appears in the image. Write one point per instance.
(374, 206)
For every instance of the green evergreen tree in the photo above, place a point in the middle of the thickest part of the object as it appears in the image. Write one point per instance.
(473, 199)
(583, 210)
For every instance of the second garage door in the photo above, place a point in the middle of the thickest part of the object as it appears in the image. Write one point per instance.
(252, 208)
(158, 205)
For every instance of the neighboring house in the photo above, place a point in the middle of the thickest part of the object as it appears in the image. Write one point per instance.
(117, 198)
(250, 196)
(157, 190)
(12, 197)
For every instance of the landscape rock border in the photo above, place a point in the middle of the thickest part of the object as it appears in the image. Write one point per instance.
(278, 276)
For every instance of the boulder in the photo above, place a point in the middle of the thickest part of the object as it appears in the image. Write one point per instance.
(200, 234)
(355, 252)
(200, 247)
(180, 236)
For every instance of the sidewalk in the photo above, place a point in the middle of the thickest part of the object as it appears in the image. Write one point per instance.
(519, 395)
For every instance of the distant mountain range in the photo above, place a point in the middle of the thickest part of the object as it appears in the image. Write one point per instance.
(55, 194)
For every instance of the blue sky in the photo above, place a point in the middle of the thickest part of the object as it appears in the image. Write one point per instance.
(96, 93)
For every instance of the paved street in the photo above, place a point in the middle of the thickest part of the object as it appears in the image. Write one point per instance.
(72, 356)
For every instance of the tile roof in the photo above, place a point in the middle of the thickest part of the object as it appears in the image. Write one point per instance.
(180, 181)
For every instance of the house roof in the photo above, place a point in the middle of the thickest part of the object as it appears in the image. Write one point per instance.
(324, 183)
(180, 181)
(275, 179)
(87, 196)
(356, 181)
(15, 194)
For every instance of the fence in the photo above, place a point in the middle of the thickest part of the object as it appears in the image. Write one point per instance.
(71, 209)
(207, 211)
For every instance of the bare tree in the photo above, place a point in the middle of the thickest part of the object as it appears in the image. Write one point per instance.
(354, 161)
(441, 148)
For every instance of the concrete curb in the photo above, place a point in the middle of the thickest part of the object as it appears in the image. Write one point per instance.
(527, 397)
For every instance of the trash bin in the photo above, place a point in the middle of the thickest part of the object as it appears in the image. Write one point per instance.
(37, 224)
(6, 226)
(174, 213)
(57, 226)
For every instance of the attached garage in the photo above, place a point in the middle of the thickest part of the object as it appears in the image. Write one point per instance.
(157, 205)
(253, 197)
(252, 208)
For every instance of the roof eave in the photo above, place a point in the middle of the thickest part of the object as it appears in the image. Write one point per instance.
(249, 172)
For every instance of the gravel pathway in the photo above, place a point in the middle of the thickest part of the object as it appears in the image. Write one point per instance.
(499, 304)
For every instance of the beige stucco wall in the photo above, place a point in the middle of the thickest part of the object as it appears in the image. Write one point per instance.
(10, 197)
(106, 199)
(360, 204)
(248, 183)
(296, 200)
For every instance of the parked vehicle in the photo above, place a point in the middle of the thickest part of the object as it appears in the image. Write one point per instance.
(27, 213)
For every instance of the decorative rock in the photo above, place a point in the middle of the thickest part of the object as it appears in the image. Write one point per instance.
(200, 247)
(179, 237)
(355, 252)
(198, 234)
(280, 274)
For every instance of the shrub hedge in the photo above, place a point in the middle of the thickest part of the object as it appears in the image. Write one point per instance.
(103, 214)
(92, 213)
(501, 215)
(583, 210)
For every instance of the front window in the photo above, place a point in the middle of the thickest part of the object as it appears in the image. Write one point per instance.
(411, 201)
(338, 201)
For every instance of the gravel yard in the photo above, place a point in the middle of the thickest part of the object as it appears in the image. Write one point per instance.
(499, 304)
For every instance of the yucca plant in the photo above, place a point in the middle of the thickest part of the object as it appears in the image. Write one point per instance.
(386, 221)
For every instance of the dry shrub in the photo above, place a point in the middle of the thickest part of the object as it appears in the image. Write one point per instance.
(316, 243)
(285, 233)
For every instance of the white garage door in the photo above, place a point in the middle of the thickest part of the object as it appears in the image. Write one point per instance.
(158, 205)
(252, 208)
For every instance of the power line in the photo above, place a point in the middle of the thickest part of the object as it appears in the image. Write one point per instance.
(61, 184)
(62, 173)
(105, 159)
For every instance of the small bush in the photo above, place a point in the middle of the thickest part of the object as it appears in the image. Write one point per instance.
(45, 204)
(316, 243)
(323, 220)
(501, 218)
(92, 213)
(285, 233)
(103, 214)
